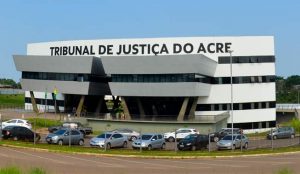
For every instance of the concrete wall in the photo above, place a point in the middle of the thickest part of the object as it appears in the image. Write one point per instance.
(159, 127)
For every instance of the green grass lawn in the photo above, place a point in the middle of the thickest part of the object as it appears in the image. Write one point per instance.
(17, 170)
(43, 123)
(12, 99)
(162, 153)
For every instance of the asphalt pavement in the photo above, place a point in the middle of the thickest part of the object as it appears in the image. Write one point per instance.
(57, 163)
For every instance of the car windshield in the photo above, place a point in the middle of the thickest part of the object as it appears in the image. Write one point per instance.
(229, 137)
(60, 132)
(104, 136)
(190, 137)
(146, 137)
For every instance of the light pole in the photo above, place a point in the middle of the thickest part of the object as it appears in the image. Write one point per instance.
(231, 98)
(298, 95)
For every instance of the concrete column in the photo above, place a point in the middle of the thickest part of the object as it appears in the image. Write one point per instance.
(141, 109)
(99, 105)
(183, 109)
(33, 102)
(125, 109)
(80, 105)
(193, 109)
(297, 112)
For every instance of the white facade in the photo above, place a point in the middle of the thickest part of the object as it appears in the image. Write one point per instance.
(218, 93)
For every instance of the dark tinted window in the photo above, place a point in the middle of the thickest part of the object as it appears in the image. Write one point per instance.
(246, 59)
(104, 136)
(117, 136)
(75, 132)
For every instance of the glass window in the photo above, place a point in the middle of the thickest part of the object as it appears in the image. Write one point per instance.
(74, 132)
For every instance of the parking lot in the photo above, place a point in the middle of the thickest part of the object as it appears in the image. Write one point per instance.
(254, 143)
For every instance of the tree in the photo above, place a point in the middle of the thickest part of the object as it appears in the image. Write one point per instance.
(292, 81)
(295, 123)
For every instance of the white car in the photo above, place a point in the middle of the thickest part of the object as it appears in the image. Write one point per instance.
(17, 122)
(180, 134)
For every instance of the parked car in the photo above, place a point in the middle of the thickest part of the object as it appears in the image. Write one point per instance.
(62, 136)
(130, 134)
(193, 142)
(282, 132)
(74, 125)
(149, 141)
(17, 122)
(238, 141)
(216, 136)
(180, 134)
(19, 133)
(112, 139)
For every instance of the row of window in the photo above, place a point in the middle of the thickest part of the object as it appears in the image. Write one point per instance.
(153, 77)
(146, 78)
(236, 106)
(159, 78)
(246, 59)
(63, 77)
(50, 102)
(240, 80)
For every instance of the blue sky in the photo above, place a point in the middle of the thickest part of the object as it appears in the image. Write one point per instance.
(27, 21)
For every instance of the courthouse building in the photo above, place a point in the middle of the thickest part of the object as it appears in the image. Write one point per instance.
(181, 78)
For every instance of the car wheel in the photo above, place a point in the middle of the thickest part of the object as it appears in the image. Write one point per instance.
(274, 137)
(108, 146)
(292, 136)
(150, 147)
(81, 142)
(15, 138)
(233, 147)
(246, 146)
(163, 146)
(216, 139)
(133, 138)
(193, 148)
(125, 144)
(171, 139)
(60, 142)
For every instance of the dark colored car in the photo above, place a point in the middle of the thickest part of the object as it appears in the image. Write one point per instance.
(282, 132)
(62, 136)
(19, 133)
(74, 125)
(193, 142)
(216, 136)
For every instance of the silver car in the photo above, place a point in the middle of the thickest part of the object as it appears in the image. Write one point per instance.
(111, 140)
(131, 134)
(149, 141)
(238, 141)
(62, 136)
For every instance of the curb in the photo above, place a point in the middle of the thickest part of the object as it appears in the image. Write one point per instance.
(153, 157)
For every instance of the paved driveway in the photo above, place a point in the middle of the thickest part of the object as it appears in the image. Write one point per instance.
(71, 163)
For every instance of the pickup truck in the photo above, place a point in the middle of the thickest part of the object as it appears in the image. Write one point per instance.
(73, 125)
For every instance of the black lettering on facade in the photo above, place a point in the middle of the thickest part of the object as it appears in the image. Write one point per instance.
(177, 48)
(201, 48)
(219, 48)
(209, 48)
(164, 49)
(227, 47)
(188, 48)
